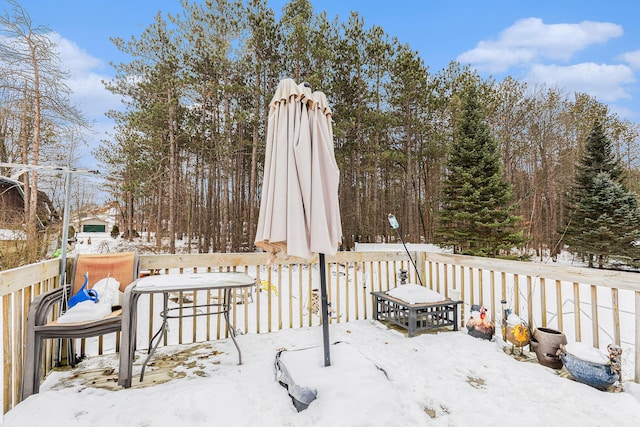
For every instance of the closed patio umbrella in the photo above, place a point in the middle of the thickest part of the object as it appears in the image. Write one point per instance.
(299, 211)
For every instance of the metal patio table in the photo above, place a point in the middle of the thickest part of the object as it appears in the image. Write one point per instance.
(171, 283)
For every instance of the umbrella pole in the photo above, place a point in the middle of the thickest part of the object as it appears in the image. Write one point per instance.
(325, 309)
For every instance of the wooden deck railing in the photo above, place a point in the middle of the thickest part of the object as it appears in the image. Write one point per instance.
(589, 305)
(593, 306)
(18, 287)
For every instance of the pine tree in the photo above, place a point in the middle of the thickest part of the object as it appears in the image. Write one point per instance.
(153, 101)
(604, 215)
(476, 217)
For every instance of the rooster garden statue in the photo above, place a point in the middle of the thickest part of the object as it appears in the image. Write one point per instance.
(478, 325)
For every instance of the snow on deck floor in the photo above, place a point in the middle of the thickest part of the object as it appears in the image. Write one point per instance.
(448, 378)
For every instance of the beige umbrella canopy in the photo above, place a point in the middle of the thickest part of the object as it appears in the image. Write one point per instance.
(299, 211)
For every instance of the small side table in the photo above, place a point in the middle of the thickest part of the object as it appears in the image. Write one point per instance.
(415, 317)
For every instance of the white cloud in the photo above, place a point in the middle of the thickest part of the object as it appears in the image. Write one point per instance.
(531, 39)
(85, 79)
(89, 94)
(73, 57)
(632, 58)
(493, 58)
(624, 112)
(603, 81)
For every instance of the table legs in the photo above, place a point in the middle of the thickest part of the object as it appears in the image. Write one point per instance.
(230, 329)
(158, 335)
(128, 337)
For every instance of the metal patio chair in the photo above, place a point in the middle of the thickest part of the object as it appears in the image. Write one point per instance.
(42, 320)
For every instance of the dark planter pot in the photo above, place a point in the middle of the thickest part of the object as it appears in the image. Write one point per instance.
(545, 343)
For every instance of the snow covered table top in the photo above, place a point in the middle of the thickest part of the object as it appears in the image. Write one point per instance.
(193, 281)
(415, 294)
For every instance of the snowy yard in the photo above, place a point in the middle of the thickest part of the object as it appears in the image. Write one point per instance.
(448, 378)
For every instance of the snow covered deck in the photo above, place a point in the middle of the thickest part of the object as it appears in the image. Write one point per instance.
(608, 302)
(446, 378)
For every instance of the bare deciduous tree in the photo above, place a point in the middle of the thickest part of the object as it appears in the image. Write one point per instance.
(32, 74)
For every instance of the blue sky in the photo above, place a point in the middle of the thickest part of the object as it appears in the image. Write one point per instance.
(588, 46)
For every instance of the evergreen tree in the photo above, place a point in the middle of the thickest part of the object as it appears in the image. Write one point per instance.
(408, 84)
(296, 21)
(476, 217)
(604, 215)
(153, 85)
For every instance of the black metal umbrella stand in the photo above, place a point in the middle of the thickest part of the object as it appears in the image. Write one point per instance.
(325, 309)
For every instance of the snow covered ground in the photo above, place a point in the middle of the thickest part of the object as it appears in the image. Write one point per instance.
(448, 378)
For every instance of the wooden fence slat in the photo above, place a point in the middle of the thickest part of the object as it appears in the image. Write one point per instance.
(269, 305)
(594, 317)
(543, 301)
(516, 294)
(290, 277)
(472, 287)
(17, 342)
(637, 338)
(279, 287)
(529, 301)
(576, 317)
(346, 290)
(559, 305)
(310, 296)
(300, 300)
(194, 311)
(481, 287)
(7, 367)
(615, 312)
(492, 284)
